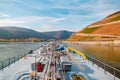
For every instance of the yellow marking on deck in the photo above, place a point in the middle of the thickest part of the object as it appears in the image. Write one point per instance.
(77, 52)
(79, 78)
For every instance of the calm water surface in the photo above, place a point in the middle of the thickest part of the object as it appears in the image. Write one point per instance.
(107, 54)
(11, 49)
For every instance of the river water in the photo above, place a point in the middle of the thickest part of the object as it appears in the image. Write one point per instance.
(107, 54)
(11, 49)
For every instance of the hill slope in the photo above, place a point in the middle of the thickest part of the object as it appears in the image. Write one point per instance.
(105, 29)
(18, 33)
(63, 34)
(23, 33)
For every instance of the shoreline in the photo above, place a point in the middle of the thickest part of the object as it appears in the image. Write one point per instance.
(115, 43)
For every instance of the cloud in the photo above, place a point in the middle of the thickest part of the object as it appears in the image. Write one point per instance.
(89, 7)
(4, 15)
(45, 15)
(31, 19)
(99, 7)
(44, 27)
(9, 22)
(56, 20)
(47, 27)
(33, 22)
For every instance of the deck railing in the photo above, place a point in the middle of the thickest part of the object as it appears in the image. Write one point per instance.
(107, 68)
(11, 60)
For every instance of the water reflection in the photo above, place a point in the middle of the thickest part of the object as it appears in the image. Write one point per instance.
(107, 54)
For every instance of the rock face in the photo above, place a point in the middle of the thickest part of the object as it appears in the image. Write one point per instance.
(23, 33)
(105, 29)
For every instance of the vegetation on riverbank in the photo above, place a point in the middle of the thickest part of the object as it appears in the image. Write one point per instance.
(107, 29)
(22, 40)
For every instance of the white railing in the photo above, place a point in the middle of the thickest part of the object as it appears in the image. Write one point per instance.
(107, 68)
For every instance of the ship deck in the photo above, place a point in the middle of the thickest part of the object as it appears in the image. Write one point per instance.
(93, 72)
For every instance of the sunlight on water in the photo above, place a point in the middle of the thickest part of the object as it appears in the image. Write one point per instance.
(107, 54)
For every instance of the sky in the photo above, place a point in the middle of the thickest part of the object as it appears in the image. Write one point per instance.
(54, 15)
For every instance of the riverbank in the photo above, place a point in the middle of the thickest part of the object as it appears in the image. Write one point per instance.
(115, 43)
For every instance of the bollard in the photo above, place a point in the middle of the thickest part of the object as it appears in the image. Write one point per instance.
(104, 68)
(14, 59)
(9, 62)
(92, 61)
(97, 64)
(114, 73)
(2, 65)
(18, 57)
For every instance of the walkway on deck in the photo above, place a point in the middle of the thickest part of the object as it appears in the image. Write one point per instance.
(93, 72)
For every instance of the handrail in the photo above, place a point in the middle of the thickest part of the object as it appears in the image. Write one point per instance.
(104, 63)
(11, 60)
(78, 52)
(114, 71)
